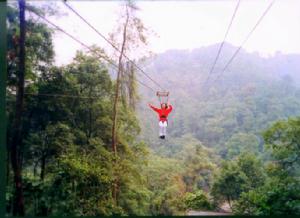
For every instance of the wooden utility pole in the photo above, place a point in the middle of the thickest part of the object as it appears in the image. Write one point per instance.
(16, 144)
(3, 70)
(115, 106)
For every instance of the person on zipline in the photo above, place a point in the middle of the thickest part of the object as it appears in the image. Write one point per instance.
(163, 118)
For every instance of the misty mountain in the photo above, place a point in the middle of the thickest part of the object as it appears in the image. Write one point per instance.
(197, 63)
(251, 94)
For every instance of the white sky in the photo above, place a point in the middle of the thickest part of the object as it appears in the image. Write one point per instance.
(187, 25)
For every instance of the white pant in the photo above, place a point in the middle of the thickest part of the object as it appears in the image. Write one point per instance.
(162, 128)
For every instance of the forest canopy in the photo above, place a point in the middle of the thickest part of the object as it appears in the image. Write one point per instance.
(88, 143)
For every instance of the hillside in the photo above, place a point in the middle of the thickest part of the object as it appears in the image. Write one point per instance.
(253, 92)
(81, 142)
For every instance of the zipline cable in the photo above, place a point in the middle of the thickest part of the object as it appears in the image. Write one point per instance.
(242, 44)
(61, 95)
(112, 44)
(245, 40)
(222, 44)
(86, 46)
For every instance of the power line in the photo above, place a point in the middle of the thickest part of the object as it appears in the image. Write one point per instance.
(243, 43)
(86, 46)
(114, 46)
(144, 84)
(246, 39)
(61, 95)
(222, 44)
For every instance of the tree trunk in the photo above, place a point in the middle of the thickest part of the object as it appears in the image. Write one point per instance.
(115, 111)
(132, 91)
(90, 115)
(43, 166)
(16, 145)
(131, 86)
(7, 166)
(229, 202)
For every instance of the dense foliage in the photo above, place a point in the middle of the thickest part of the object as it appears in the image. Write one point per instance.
(224, 145)
(229, 116)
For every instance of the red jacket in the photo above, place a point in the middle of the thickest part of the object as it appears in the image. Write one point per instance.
(162, 113)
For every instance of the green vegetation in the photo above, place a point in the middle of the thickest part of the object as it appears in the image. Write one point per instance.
(197, 201)
(240, 146)
(280, 192)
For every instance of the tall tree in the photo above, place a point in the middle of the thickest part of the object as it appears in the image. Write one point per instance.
(132, 35)
(129, 37)
(117, 91)
(115, 105)
(18, 206)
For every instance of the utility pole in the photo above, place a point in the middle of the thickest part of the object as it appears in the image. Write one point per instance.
(3, 70)
(16, 145)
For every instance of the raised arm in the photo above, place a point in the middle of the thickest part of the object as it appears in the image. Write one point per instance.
(170, 108)
(153, 108)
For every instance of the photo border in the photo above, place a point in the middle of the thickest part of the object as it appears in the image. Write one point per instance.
(3, 74)
(3, 118)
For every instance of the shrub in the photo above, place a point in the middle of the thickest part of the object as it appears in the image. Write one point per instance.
(196, 201)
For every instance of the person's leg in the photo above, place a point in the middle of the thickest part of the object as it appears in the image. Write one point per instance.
(161, 129)
(165, 128)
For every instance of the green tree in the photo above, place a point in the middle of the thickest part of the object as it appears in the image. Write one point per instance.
(280, 193)
(274, 198)
(198, 163)
(166, 185)
(23, 35)
(240, 175)
(229, 183)
(240, 143)
(197, 201)
(253, 168)
(283, 140)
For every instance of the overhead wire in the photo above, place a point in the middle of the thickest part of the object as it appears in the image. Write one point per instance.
(86, 46)
(241, 45)
(222, 44)
(61, 95)
(246, 39)
(111, 43)
(115, 47)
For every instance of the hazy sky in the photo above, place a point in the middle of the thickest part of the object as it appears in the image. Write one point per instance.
(187, 24)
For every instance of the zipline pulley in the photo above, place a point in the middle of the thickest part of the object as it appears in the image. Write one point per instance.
(163, 97)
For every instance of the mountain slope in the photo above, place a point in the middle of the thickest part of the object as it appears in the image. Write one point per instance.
(247, 98)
